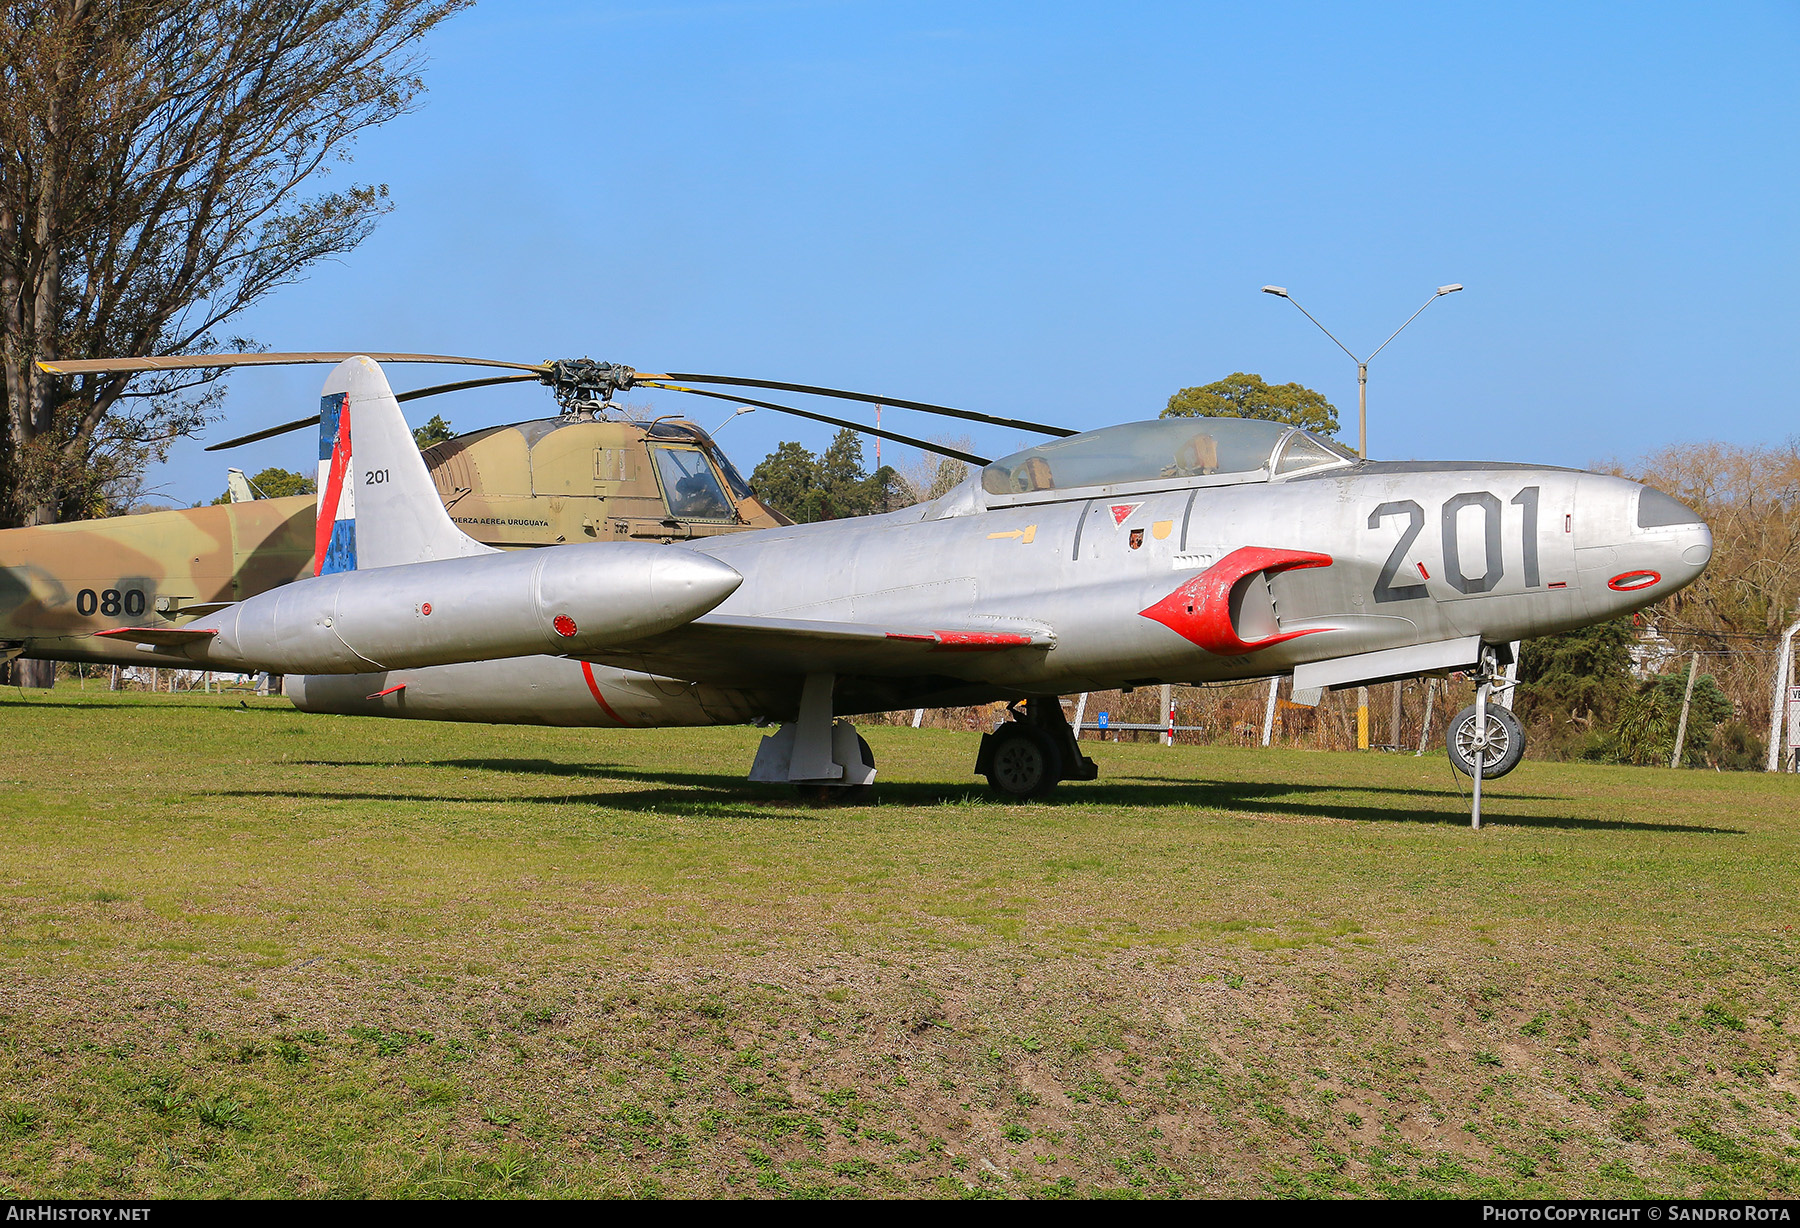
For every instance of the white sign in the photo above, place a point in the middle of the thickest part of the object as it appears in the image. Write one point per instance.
(1793, 718)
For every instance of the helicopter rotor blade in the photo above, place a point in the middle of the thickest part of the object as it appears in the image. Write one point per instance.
(194, 362)
(944, 410)
(940, 449)
(414, 395)
(269, 433)
(459, 386)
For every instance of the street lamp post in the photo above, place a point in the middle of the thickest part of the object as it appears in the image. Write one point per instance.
(1362, 450)
(732, 416)
(1362, 364)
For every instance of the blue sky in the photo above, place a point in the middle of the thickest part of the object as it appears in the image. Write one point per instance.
(1065, 212)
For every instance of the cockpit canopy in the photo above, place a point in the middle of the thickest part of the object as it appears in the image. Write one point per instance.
(1250, 448)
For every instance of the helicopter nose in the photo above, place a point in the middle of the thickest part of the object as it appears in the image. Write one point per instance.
(1648, 546)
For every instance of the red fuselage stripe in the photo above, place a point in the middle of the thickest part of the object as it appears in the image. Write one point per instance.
(587, 671)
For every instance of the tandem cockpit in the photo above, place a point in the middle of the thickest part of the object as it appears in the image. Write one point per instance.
(1139, 456)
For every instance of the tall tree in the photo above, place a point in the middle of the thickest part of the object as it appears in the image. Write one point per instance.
(787, 480)
(156, 160)
(1571, 684)
(807, 488)
(433, 432)
(1240, 395)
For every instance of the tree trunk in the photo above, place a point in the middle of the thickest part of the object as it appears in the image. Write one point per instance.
(34, 673)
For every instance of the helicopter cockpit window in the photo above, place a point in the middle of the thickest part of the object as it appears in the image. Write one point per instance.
(740, 489)
(691, 486)
(1140, 452)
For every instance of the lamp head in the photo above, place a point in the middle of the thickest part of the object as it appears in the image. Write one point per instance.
(1449, 289)
(1282, 290)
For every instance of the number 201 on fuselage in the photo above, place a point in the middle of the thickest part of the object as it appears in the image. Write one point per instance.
(1475, 532)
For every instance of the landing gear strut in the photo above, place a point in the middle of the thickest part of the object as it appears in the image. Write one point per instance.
(829, 761)
(1485, 741)
(1028, 755)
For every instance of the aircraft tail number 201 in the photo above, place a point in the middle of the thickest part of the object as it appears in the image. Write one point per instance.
(1488, 506)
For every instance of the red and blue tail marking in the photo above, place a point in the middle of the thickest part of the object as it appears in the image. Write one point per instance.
(334, 546)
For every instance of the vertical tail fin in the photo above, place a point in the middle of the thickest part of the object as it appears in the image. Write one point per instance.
(377, 504)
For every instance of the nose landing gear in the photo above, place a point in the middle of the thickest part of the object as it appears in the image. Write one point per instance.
(1028, 755)
(1484, 741)
(1501, 745)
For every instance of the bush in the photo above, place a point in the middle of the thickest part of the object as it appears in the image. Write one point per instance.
(1737, 748)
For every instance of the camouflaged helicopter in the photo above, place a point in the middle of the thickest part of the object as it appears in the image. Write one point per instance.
(591, 473)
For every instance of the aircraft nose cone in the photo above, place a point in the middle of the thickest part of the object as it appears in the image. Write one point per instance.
(1698, 552)
(686, 582)
(1653, 546)
(1692, 550)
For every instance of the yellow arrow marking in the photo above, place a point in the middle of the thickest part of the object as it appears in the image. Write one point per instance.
(1025, 535)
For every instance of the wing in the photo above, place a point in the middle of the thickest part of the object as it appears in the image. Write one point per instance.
(161, 637)
(735, 650)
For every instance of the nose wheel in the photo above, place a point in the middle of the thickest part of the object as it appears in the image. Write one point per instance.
(1500, 746)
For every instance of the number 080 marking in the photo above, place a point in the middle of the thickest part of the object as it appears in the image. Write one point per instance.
(1492, 516)
(110, 602)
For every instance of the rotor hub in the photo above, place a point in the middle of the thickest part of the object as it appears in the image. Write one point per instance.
(586, 384)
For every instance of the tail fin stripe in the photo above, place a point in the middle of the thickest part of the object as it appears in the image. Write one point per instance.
(334, 542)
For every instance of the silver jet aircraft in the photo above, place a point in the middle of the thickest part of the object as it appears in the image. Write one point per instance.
(1178, 550)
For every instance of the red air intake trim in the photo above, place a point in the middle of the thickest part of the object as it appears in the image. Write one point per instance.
(1200, 610)
(1631, 581)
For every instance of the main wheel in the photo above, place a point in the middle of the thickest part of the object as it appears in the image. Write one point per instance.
(1023, 761)
(1505, 742)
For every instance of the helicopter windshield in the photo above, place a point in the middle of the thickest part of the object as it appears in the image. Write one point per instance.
(1145, 451)
(688, 481)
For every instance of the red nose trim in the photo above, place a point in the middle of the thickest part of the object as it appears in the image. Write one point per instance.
(1631, 581)
(1200, 610)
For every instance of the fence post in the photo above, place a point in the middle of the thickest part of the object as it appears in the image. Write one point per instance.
(1425, 725)
(1269, 710)
(1687, 697)
(1778, 701)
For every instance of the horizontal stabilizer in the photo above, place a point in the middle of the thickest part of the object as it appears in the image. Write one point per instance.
(161, 637)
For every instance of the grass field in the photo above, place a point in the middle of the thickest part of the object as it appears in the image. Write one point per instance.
(253, 952)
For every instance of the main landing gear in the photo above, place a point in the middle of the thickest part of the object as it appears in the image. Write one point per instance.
(829, 762)
(1026, 756)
